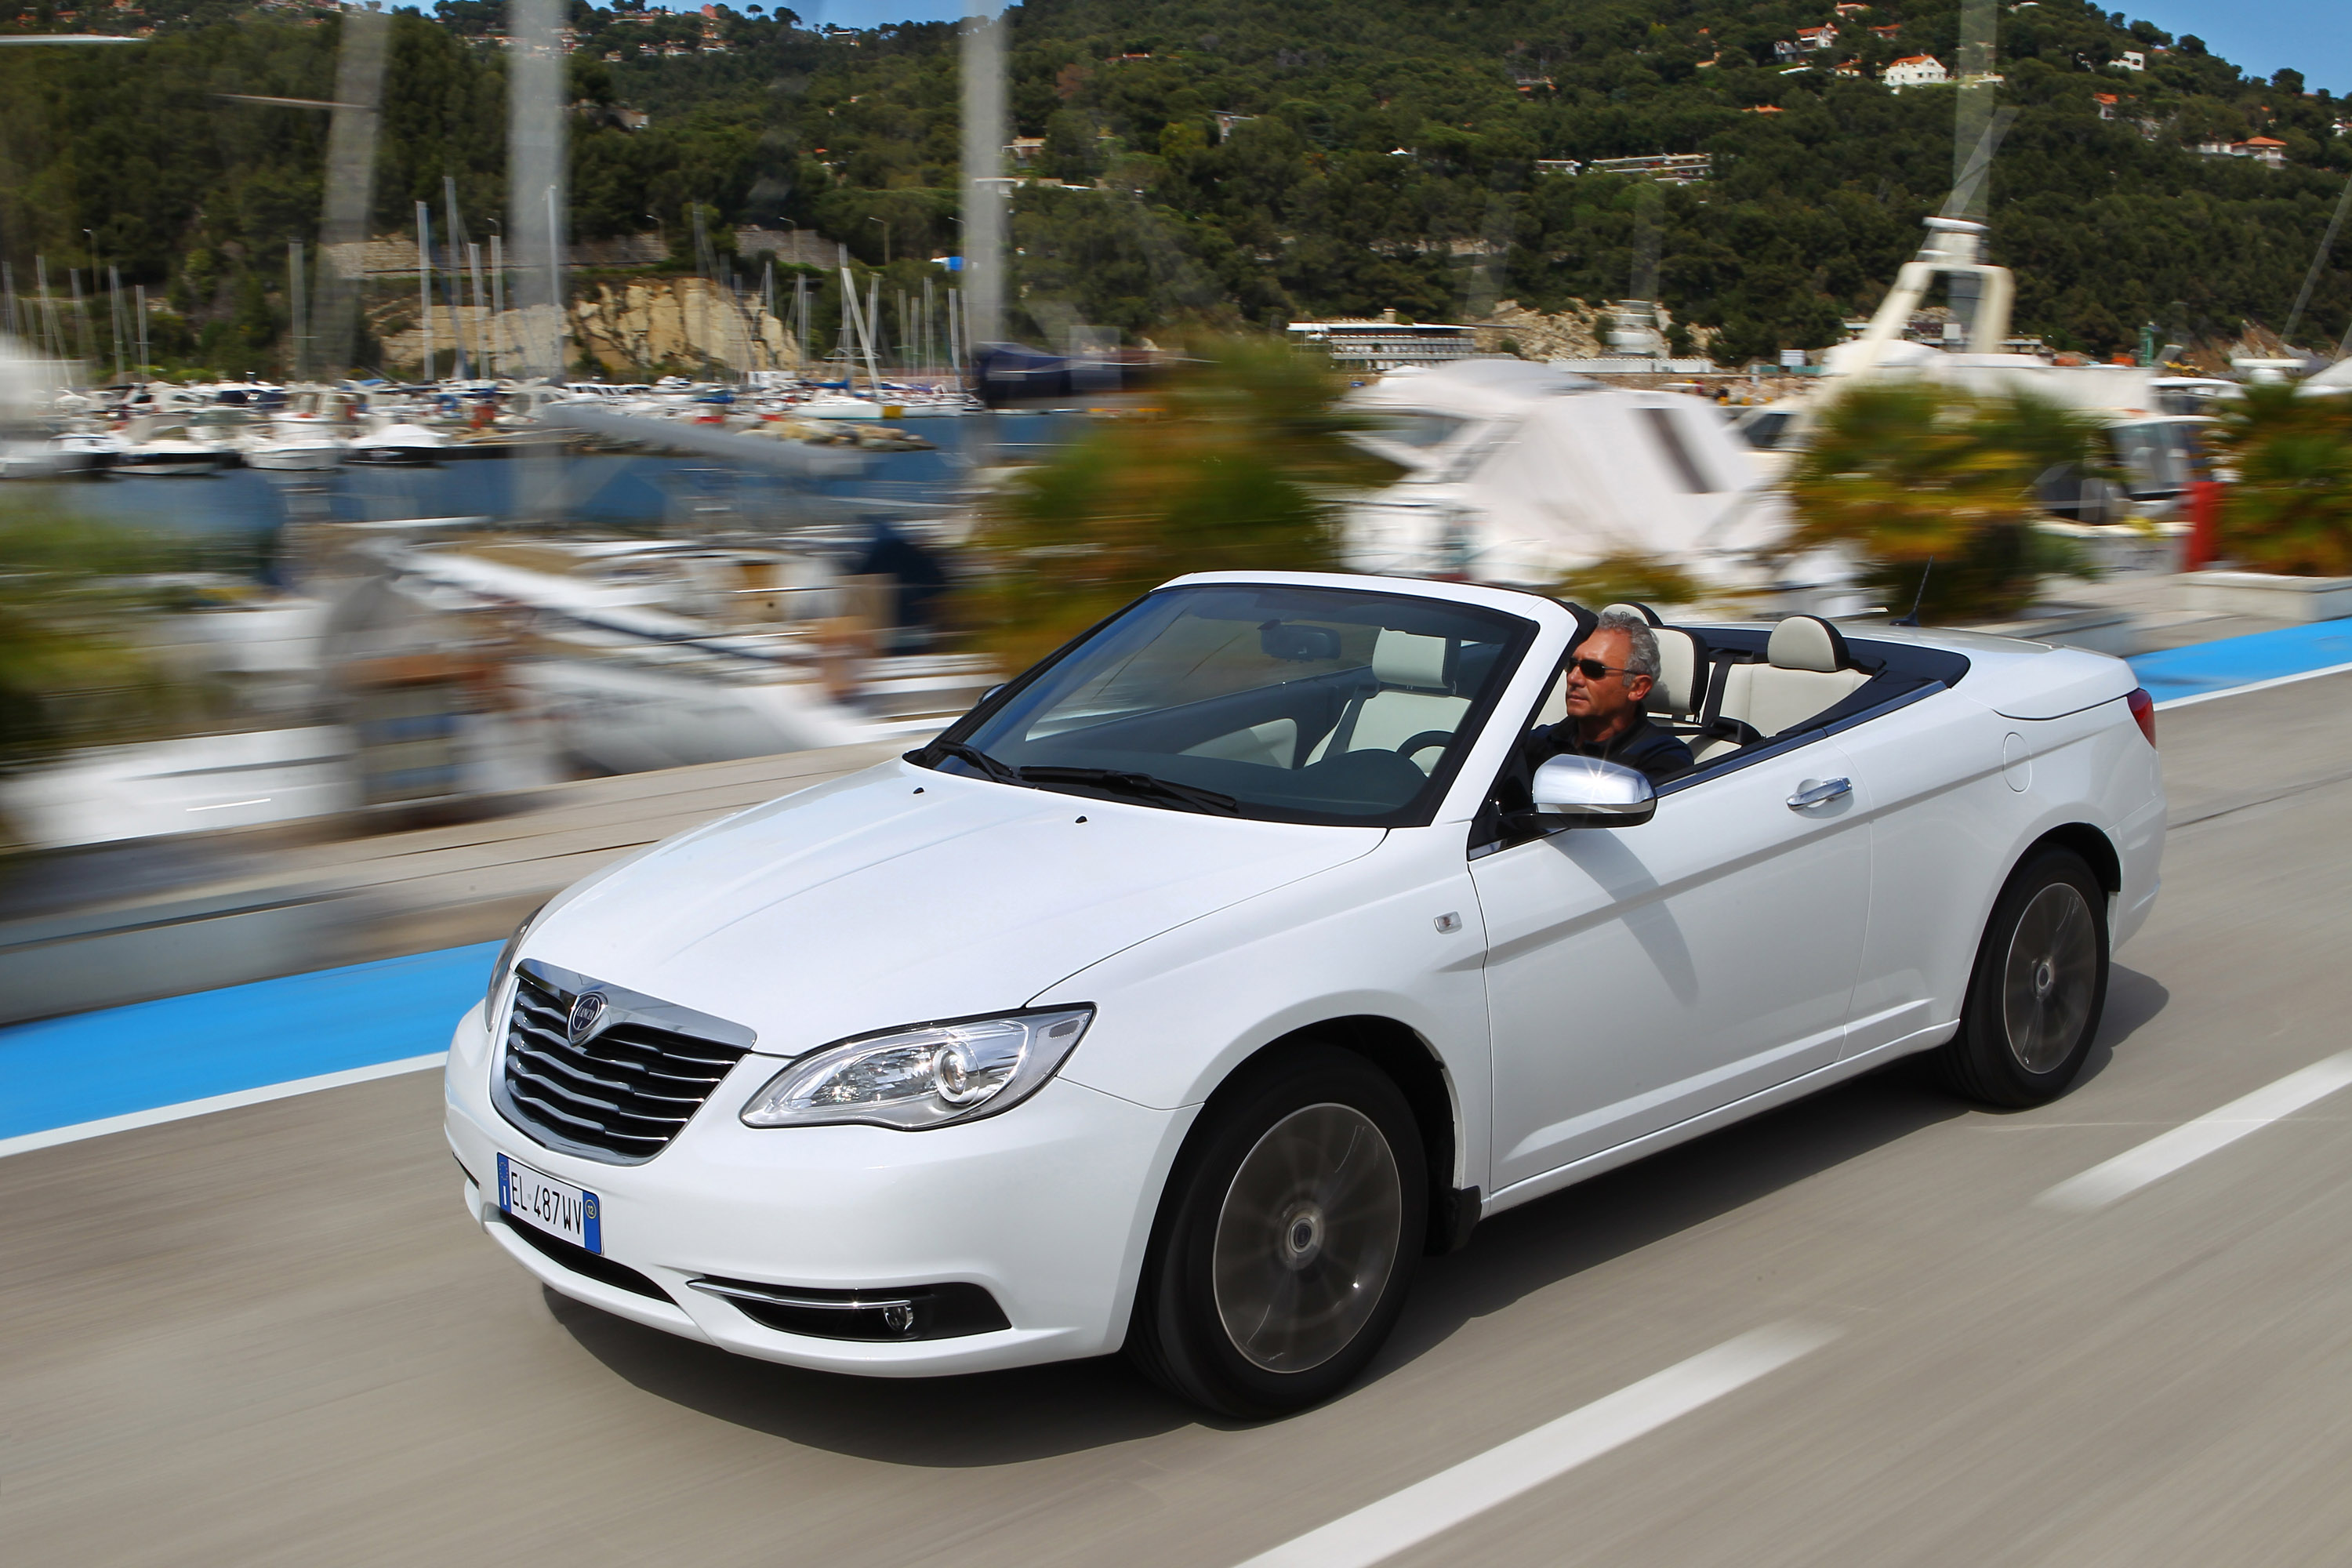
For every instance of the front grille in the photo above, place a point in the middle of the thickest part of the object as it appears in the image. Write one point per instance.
(622, 1093)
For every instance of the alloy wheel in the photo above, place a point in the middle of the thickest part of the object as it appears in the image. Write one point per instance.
(2051, 973)
(1308, 1237)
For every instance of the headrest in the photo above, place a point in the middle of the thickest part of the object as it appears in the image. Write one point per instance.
(1682, 666)
(1807, 642)
(1639, 612)
(1406, 658)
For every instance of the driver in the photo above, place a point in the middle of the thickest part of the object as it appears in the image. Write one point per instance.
(1608, 676)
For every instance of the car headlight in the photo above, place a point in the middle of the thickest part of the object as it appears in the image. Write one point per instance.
(503, 970)
(929, 1075)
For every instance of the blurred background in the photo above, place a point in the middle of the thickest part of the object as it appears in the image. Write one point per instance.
(440, 452)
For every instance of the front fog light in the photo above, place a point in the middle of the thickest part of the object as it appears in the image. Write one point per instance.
(926, 1076)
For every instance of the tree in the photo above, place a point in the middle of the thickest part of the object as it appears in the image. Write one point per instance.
(1904, 472)
(1235, 475)
(2291, 508)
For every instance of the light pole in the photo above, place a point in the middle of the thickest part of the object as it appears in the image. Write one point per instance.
(885, 239)
(661, 234)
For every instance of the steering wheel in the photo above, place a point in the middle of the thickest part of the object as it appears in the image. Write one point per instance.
(1423, 740)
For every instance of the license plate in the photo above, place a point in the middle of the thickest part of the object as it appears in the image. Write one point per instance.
(556, 1207)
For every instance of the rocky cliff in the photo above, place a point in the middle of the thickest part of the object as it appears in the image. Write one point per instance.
(627, 327)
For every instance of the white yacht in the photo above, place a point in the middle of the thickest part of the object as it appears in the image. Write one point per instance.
(1518, 473)
(398, 443)
(177, 449)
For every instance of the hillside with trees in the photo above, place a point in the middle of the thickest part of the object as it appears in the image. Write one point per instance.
(1237, 164)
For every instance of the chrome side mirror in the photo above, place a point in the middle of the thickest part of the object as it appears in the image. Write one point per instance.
(1606, 794)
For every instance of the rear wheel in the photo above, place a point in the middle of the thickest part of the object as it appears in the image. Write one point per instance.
(2040, 985)
(1286, 1240)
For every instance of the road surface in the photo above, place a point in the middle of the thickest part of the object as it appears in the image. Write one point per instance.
(271, 1336)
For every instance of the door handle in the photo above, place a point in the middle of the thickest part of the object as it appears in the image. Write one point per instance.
(1821, 792)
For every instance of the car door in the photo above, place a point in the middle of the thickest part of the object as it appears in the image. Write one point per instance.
(1639, 976)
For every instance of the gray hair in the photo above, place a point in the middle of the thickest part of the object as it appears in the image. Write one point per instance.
(1642, 656)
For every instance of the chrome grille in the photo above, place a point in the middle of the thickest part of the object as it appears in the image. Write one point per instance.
(625, 1090)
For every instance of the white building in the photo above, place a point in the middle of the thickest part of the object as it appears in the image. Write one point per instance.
(1915, 70)
(2132, 60)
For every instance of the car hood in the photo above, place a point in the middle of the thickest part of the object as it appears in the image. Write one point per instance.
(899, 895)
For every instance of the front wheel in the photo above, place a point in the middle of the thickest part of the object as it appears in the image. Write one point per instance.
(1286, 1240)
(2040, 985)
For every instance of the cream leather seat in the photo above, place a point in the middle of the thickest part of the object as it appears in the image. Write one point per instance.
(1412, 699)
(1681, 685)
(1806, 671)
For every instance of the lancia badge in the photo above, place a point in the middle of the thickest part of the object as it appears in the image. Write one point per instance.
(587, 1012)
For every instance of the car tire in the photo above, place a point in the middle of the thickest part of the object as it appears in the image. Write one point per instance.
(2039, 987)
(1287, 1239)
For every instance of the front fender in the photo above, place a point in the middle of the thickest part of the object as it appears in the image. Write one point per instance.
(1178, 1013)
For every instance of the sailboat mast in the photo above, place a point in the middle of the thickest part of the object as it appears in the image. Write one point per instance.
(455, 238)
(425, 283)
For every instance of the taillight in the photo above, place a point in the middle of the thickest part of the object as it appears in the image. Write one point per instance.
(2143, 710)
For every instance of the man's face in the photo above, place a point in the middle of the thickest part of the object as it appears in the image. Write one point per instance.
(1604, 701)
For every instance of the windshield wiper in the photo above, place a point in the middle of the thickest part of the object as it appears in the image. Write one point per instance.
(1188, 796)
(1002, 772)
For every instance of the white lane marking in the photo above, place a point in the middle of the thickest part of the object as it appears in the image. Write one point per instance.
(29, 1141)
(2197, 697)
(2160, 1156)
(1379, 1531)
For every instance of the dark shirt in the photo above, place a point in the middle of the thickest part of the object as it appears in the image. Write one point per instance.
(1653, 751)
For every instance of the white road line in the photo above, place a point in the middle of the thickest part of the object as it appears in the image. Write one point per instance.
(2160, 1156)
(1401, 1520)
(2195, 696)
(29, 1141)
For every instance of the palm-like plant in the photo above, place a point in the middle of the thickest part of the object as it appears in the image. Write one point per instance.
(1903, 472)
(1236, 474)
(2291, 510)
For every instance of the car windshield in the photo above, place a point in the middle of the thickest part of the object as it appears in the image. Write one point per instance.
(1282, 704)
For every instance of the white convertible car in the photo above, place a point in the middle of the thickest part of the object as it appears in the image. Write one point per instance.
(1202, 979)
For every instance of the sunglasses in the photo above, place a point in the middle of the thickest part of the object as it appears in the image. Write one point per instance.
(1594, 670)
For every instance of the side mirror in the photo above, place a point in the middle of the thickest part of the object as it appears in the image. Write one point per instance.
(1606, 794)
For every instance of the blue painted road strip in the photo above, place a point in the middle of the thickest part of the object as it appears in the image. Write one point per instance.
(99, 1066)
(2231, 663)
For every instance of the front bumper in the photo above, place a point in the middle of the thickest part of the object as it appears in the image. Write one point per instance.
(1047, 1206)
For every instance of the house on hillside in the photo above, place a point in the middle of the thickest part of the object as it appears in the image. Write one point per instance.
(2261, 149)
(1887, 32)
(1670, 168)
(2106, 103)
(1817, 38)
(2132, 60)
(1915, 70)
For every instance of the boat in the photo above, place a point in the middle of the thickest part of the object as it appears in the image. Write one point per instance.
(399, 443)
(647, 654)
(300, 452)
(170, 450)
(1518, 473)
